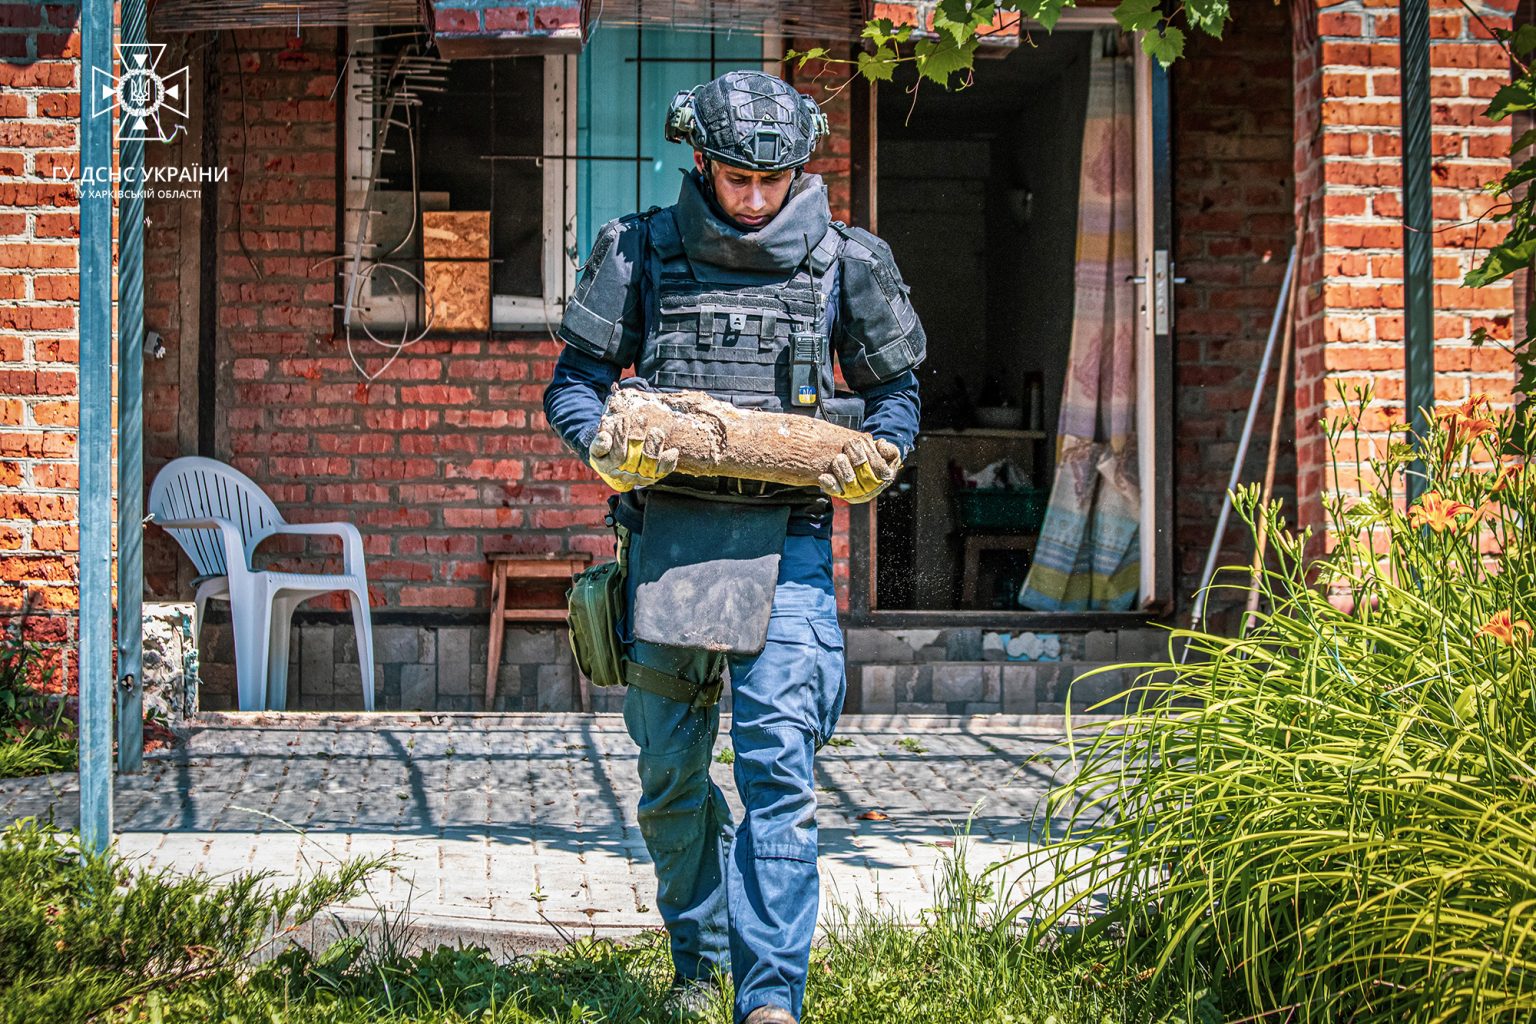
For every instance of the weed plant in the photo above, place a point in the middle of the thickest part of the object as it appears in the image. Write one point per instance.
(36, 735)
(1334, 812)
(81, 934)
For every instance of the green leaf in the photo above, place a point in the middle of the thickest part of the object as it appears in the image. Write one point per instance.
(1046, 12)
(1164, 45)
(879, 66)
(938, 59)
(1523, 142)
(1139, 16)
(962, 19)
(1209, 16)
(883, 32)
(1501, 261)
(878, 29)
(1524, 40)
(1516, 96)
(813, 54)
(1479, 337)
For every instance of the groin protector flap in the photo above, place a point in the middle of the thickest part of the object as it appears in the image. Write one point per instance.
(706, 572)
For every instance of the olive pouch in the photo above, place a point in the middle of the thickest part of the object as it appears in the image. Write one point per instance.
(595, 606)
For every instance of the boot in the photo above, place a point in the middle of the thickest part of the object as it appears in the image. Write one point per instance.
(691, 1000)
(770, 1015)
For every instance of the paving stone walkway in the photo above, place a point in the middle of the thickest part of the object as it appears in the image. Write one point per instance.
(510, 829)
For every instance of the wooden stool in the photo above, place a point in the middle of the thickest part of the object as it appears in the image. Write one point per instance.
(975, 544)
(506, 569)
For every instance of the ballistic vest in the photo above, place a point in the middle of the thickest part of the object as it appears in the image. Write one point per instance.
(737, 334)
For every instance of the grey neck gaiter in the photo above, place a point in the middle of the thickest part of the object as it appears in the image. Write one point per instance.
(781, 244)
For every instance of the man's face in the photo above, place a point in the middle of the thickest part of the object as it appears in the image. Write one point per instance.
(751, 198)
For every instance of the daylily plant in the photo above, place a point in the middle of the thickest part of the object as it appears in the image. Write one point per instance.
(1330, 812)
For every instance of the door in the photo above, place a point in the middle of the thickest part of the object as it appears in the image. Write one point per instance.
(977, 193)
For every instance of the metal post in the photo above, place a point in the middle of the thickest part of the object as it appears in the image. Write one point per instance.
(1418, 228)
(95, 443)
(130, 433)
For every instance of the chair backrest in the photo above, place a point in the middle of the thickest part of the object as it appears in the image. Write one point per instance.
(198, 488)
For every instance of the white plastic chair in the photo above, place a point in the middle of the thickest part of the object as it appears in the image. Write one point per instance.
(218, 515)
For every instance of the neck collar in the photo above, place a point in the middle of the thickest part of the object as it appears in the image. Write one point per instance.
(781, 244)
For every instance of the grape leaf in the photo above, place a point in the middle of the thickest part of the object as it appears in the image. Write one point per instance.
(961, 19)
(1046, 12)
(1139, 16)
(1165, 45)
(1209, 16)
(938, 59)
(1502, 260)
(808, 55)
(1524, 39)
(1516, 96)
(879, 66)
(883, 32)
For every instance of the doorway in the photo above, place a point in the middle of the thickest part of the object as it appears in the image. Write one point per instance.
(978, 195)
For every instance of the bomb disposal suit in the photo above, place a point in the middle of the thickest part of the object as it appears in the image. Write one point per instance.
(751, 313)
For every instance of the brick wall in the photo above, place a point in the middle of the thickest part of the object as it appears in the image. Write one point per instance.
(1232, 125)
(1349, 163)
(447, 457)
(39, 296)
(441, 460)
(466, 26)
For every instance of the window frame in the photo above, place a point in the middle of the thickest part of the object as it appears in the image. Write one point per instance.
(509, 313)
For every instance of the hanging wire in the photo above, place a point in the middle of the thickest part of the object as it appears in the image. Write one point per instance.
(398, 81)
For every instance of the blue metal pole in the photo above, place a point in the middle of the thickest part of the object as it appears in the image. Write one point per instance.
(130, 432)
(1418, 229)
(95, 443)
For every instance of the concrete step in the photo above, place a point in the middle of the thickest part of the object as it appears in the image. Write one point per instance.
(987, 687)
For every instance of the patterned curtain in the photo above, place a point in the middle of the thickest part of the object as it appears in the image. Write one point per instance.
(1088, 555)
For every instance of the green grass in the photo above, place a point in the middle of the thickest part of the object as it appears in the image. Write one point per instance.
(85, 938)
(866, 972)
(80, 935)
(37, 753)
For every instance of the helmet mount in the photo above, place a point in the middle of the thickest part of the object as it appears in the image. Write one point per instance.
(747, 119)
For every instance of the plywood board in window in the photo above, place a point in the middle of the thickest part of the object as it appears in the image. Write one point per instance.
(456, 245)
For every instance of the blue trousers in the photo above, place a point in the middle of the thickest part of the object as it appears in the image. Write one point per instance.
(745, 894)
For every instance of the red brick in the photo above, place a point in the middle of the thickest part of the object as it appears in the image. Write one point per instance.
(506, 19)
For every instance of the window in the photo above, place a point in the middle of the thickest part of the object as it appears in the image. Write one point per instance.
(628, 77)
(506, 135)
(487, 138)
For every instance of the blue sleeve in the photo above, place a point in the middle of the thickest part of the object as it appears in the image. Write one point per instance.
(892, 411)
(573, 401)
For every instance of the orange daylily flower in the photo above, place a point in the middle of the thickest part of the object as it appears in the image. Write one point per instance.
(1465, 422)
(1501, 628)
(1509, 470)
(1436, 513)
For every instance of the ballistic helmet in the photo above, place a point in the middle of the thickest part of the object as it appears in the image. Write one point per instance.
(747, 119)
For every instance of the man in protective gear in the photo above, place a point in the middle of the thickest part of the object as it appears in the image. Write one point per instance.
(745, 289)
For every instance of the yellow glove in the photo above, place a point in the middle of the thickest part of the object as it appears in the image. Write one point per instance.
(863, 469)
(626, 462)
